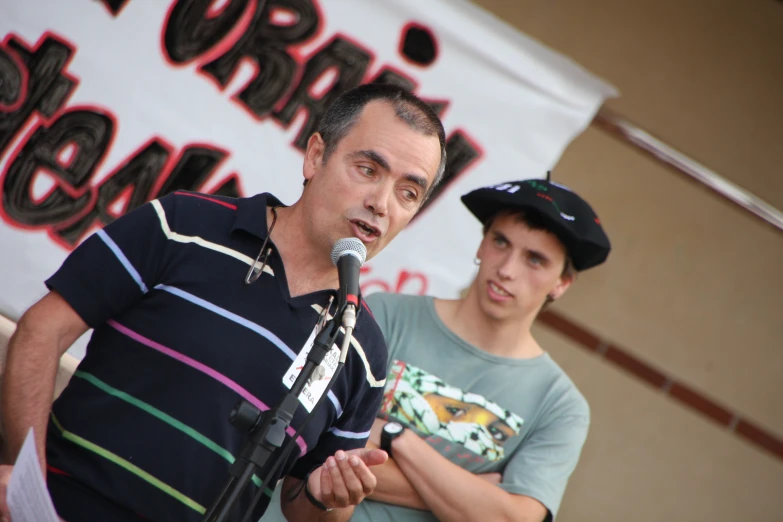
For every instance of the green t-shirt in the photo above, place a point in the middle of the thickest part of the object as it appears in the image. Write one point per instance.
(523, 418)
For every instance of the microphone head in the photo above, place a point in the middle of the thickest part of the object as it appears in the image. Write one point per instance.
(349, 246)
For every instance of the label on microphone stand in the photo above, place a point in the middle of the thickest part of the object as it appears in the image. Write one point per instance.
(321, 375)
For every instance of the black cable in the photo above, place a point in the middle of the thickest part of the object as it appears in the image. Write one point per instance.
(286, 450)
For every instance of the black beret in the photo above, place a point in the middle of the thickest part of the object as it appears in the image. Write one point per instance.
(567, 215)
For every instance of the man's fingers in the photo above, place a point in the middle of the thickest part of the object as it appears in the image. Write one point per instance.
(370, 457)
(5, 477)
(340, 493)
(346, 479)
(348, 466)
(365, 477)
(326, 482)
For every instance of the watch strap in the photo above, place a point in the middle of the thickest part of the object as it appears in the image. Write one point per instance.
(387, 438)
(314, 501)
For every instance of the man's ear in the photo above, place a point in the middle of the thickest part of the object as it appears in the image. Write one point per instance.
(314, 154)
(562, 285)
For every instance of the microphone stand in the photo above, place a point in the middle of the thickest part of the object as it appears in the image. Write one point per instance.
(266, 430)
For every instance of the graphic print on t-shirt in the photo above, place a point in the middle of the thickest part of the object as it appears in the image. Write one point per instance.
(433, 407)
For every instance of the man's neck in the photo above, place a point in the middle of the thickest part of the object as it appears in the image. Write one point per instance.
(505, 338)
(308, 269)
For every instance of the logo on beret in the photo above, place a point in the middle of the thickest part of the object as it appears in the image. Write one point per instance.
(562, 214)
(511, 188)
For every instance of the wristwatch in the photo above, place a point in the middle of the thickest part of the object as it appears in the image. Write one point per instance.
(390, 431)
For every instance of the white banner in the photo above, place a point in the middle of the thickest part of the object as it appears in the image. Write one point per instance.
(107, 104)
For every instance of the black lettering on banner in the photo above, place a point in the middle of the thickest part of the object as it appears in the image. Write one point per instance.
(140, 171)
(265, 43)
(195, 166)
(439, 106)
(12, 78)
(69, 147)
(229, 188)
(461, 154)
(389, 76)
(418, 45)
(114, 6)
(351, 62)
(47, 85)
(90, 134)
(189, 32)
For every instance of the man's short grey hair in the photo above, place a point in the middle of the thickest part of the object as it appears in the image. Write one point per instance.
(343, 113)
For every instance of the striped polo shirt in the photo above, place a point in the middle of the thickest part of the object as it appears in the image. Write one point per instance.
(142, 429)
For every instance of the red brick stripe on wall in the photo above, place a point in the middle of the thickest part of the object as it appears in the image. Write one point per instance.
(760, 437)
(702, 404)
(571, 330)
(636, 366)
(684, 394)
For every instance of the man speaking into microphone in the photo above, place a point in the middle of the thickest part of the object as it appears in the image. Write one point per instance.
(199, 301)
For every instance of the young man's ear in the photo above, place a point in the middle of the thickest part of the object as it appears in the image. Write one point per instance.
(562, 285)
(314, 154)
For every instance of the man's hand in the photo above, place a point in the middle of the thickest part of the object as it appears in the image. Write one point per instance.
(345, 479)
(5, 478)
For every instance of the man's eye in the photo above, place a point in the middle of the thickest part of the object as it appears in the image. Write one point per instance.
(535, 260)
(499, 241)
(410, 195)
(367, 171)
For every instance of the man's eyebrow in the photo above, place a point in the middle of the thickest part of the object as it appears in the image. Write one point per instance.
(536, 253)
(378, 158)
(419, 180)
(500, 235)
(528, 251)
(372, 156)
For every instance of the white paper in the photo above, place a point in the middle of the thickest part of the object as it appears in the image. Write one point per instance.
(27, 496)
(321, 376)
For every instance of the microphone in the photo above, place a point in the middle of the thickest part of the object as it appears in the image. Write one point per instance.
(348, 255)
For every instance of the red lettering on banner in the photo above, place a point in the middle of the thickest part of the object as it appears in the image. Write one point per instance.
(406, 282)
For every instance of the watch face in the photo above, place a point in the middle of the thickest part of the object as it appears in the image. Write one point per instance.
(393, 427)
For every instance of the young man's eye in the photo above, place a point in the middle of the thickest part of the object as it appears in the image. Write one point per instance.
(367, 171)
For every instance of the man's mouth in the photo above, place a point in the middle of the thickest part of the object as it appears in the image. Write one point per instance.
(500, 290)
(367, 232)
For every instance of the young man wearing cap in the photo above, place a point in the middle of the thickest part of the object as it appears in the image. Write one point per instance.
(480, 423)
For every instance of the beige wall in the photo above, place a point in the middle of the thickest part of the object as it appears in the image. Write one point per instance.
(694, 284)
(649, 460)
(704, 75)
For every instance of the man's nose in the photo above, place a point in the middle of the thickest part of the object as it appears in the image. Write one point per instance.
(377, 200)
(507, 268)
